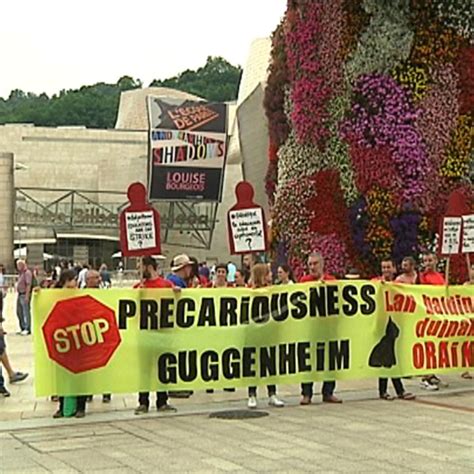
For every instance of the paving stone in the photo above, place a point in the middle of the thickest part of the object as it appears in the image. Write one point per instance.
(222, 464)
(361, 435)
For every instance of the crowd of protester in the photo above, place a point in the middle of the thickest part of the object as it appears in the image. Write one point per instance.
(187, 272)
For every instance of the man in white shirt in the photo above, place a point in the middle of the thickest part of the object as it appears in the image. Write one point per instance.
(81, 278)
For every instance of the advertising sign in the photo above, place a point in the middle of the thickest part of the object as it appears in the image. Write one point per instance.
(188, 144)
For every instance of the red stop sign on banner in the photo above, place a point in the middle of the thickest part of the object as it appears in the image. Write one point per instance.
(81, 334)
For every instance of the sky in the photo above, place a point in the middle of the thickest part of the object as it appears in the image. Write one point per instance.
(49, 45)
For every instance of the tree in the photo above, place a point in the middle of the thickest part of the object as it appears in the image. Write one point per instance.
(217, 80)
(126, 83)
(96, 106)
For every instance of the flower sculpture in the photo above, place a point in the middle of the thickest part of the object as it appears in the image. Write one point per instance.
(370, 112)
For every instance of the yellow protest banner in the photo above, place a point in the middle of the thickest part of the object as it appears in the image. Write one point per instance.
(126, 340)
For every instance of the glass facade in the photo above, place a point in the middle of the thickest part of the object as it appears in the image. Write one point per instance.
(91, 251)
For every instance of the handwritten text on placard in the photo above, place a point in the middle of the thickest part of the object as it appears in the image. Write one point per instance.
(247, 228)
(451, 235)
(468, 234)
(140, 230)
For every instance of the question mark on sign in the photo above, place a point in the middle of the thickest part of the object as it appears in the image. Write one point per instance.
(249, 241)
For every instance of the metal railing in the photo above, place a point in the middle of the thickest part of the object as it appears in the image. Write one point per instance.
(188, 223)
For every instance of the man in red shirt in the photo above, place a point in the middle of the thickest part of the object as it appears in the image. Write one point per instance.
(151, 279)
(430, 276)
(316, 270)
(389, 270)
(316, 273)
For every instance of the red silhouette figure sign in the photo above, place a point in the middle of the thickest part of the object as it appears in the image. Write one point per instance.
(246, 225)
(139, 225)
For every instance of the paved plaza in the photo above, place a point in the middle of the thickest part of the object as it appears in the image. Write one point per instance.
(435, 433)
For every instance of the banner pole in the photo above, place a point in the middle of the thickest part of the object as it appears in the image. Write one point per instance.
(468, 263)
(446, 277)
(140, 264)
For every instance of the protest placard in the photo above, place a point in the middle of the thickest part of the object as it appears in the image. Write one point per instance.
(139, 225)
(141, 232)
(248, 230)
(246, 223)
(468, 234)
(451, 235)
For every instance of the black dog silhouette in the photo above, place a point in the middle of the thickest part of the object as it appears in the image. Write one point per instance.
(383, 354)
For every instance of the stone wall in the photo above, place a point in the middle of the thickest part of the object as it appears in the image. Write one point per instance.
(6, 210)
(75, 158)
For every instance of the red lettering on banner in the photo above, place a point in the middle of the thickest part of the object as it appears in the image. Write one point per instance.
(430, 350)
(465, 328)
(427, 303)
(454, 354)
(421, 327)
(444, 328)
(468, 354)
(443, 359)
(418, 356)
(400, 303)
(442, 355)
(455, 305)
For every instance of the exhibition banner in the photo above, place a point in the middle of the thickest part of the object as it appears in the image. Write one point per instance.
(188, 144)
(131, 340)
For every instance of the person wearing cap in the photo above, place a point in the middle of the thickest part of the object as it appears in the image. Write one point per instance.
(181, 269)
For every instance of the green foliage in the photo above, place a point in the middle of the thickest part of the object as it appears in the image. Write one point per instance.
(96, 106)
(93, 106)
(216, 81)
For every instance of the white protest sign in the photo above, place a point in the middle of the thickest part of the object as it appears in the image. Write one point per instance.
(451, 235)
(247, 230)
(141, 232)
(468, 234)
